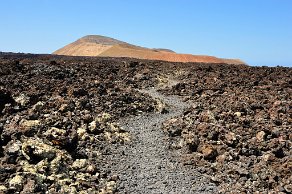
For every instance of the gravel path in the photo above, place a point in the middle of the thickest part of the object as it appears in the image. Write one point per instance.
(146, 165)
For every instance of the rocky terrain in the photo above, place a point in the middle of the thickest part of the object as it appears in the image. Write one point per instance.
(120, 125)
(238, 130)
(96, 45)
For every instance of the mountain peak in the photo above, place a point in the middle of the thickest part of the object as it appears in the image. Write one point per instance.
(98, 39)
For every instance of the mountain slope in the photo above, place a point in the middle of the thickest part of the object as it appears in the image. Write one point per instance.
(95, 45)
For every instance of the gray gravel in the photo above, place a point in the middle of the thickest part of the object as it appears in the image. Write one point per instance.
(146, 165)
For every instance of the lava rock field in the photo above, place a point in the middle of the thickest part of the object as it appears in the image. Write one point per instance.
(238, 129)
(59, 115)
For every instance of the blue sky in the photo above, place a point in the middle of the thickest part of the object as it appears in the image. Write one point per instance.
(256, 31)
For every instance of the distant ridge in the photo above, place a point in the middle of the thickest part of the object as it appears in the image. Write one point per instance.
(102, 46)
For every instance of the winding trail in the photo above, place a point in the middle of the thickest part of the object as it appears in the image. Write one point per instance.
(146, 165)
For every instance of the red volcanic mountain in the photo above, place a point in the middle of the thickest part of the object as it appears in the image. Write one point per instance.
(95, 45)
